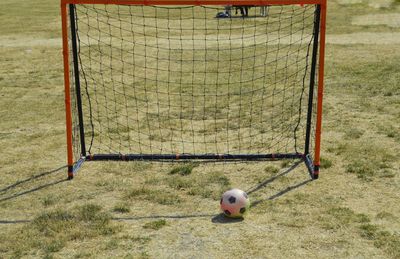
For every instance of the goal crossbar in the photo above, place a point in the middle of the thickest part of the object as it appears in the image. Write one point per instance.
(196, 2)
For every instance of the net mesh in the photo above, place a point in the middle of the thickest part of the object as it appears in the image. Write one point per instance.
(168, 80)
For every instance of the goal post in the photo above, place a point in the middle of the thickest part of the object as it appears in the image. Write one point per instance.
(185, 80)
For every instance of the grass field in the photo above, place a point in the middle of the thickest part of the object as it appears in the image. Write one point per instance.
(141, 210)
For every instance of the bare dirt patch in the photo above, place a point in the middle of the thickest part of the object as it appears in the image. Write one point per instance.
(349, 2)
(392, 20)
(371, 3)
(18, 41)
(380, 4)
(364, 38)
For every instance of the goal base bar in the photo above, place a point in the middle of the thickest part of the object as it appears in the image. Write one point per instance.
(174, 157)
(313, 170)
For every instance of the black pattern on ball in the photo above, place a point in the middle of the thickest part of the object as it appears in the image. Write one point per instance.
(232, 199)
(242, 210)
(227, 212)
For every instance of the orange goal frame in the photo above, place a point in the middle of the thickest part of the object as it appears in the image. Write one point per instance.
(322, 29)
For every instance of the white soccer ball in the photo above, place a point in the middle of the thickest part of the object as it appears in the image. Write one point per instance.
(235, 203)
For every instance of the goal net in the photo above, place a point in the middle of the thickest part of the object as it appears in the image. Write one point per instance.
(164, 82)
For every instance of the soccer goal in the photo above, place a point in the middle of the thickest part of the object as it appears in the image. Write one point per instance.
(167, 80)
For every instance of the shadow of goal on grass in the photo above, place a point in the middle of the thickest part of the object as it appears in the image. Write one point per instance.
(32, 190)
(267, 181)
(280, 193)
(163, 217)
(33, 177)
(4, 190)
(215, 218)
(15, 221)
(264, 183)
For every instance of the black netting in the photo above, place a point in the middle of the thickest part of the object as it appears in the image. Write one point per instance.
(167, 80)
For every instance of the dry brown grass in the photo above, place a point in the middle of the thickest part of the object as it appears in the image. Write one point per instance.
(141, 210)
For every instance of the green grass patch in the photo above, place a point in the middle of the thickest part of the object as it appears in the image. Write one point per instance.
(366, 159)
(185, 169)
(367, 169)
(210, 186)
(153, 195)
(272, 170)
(50, 231)
(369, 231)
(155, 225)
(347, 216)
(325, 163)
(363, 169)
(354, 133)
(112, 244)
(111, 184)
(121, 208)
(48, 200)
(390, 131)
(180, 183)
(385, 240)
(287, 163)
(385, 215)
(137, 239)
(339, 217)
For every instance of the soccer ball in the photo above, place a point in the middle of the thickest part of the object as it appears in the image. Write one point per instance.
(235, 203)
